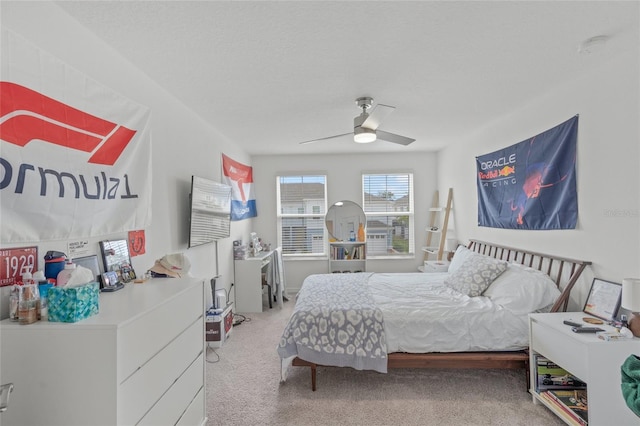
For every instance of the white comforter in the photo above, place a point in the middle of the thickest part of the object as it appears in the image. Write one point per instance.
(421, 314)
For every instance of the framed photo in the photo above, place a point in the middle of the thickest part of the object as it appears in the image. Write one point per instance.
(115, 255)
(110, 281)
(16, 261)
(255, 241)
(603, 300)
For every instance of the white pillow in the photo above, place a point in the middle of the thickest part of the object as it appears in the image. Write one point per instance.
(475, 274)
(522, 289)
(461, 254)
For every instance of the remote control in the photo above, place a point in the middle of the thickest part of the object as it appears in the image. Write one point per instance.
(572, 323)
(586, 329)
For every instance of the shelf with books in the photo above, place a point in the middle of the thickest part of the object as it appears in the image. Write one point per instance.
(550, 375)
(347, 256)
(555, 387)
(572, 402)
(559, 410)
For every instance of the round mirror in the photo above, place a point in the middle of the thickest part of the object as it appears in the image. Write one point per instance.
(343, 221)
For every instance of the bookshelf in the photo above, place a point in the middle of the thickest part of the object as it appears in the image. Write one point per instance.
(347, 256)
(556, 386)
(585, 357)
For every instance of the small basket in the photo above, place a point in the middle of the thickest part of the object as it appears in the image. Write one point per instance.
(73, 304)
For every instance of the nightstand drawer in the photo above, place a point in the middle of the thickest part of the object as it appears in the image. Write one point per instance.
(567, 352)
(436, 266)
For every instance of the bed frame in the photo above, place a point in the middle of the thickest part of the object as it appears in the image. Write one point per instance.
(564, 272)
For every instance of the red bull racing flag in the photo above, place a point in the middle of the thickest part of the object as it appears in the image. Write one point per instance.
(240, 178)
(532, 184)
(75, 156)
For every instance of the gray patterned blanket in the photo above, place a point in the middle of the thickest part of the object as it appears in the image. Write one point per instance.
(336, 322)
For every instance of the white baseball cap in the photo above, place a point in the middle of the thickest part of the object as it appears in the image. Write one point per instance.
(173, 265)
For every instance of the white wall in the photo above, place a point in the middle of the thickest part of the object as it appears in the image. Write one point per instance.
(344, 182)
(182, 143)
(608, 159)
(607, 100)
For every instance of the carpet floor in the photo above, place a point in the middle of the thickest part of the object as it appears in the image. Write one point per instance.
(243, 388)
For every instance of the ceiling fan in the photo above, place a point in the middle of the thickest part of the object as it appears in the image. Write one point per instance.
(365, 126)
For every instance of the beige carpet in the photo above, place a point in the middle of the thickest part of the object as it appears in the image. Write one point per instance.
(243, 388)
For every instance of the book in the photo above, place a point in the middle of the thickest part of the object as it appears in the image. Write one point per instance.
(566, 382)
(575, 401)
(544, 366)
(560, 410)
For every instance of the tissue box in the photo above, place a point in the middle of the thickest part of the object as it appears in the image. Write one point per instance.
(73, 304)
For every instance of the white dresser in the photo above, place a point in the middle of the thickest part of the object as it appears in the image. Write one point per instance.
(141, 360)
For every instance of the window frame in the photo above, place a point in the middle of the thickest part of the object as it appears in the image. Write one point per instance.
(281, 216)
(411, 246)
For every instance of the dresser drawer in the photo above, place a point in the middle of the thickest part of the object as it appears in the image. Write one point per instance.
(563, 351)
(142, 390)
(195, 411)
(173, 404)
(141, 339)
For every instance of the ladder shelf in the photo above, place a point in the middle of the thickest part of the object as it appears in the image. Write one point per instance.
(437, 227)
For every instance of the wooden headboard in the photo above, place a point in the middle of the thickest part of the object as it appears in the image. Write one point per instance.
(563, 271)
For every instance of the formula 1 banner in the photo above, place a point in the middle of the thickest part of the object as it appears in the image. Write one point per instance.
(532, 184)
(75, 157)
(240, 178)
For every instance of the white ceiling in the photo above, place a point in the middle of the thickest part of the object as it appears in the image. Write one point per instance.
(269, 75)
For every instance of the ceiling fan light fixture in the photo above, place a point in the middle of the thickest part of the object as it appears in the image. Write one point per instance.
(365, 125)
(364, 135)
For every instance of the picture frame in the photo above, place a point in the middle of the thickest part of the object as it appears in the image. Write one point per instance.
(16, 261)
(108, 278)
(110, 281)
(90, 262)
(116, 258)
(255, 243)
(603, 300)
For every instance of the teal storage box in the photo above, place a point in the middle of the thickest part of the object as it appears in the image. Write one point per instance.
(73, 304)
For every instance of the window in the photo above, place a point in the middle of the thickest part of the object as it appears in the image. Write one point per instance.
(301, 208)
(388, 206)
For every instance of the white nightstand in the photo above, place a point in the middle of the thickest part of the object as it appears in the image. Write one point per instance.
(592, 360)
(434, 266)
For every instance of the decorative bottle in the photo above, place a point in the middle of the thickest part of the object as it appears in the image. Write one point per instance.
(361, 233)
(65, 274)
(14, 299)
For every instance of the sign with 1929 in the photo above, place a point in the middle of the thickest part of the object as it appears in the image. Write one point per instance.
(16, 261)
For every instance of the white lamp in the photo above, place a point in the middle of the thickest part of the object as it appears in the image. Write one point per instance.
(364, 135)
(631, 302)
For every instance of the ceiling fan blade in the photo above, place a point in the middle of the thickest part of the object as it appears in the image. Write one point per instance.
(392, 137)
(324, 139)
(377, 114)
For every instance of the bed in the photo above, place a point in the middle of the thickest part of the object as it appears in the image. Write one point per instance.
(375, 321)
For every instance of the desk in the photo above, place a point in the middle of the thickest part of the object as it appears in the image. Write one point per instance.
(248, 281)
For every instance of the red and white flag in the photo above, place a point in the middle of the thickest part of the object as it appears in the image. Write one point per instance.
(75, 158)
(240, 178)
